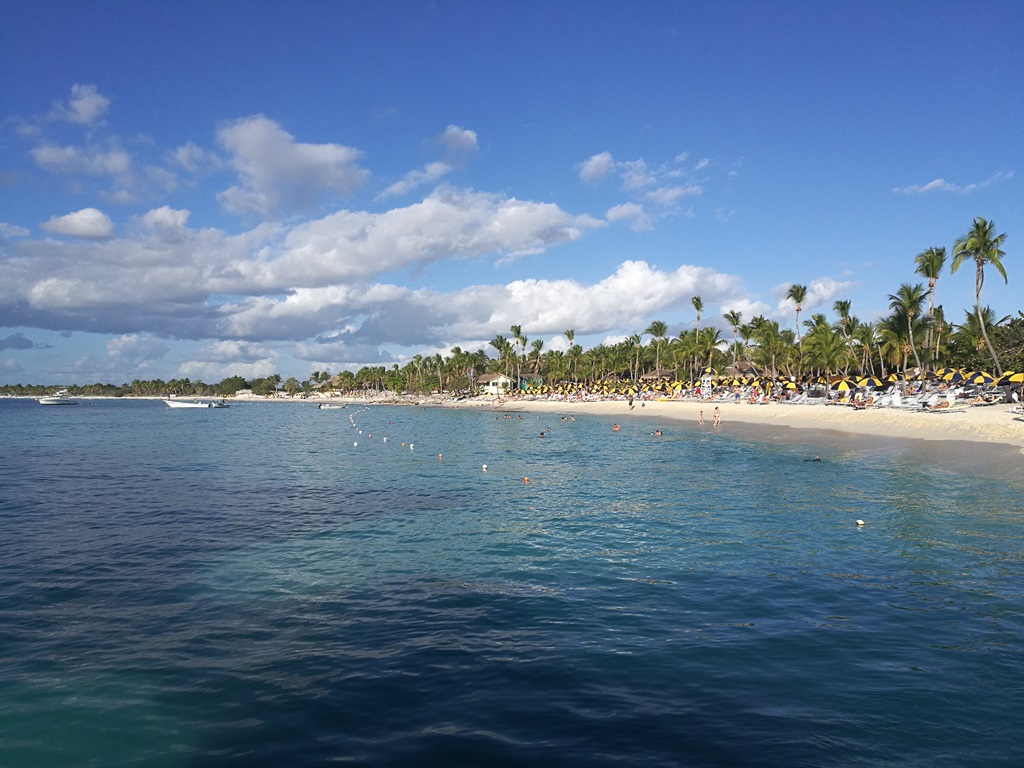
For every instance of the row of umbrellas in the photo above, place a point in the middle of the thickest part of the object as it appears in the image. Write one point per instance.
(835, 383)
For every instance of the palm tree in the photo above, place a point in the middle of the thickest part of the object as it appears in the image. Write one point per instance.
(798, 294)
(735, 319)
(657, 330)
(907, 302)
(983, 245)
(842, 308)
(929, 265)
(698, 304)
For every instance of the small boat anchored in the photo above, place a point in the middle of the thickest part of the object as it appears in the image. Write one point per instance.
(331, 407)
(173, 402)
(58, 398)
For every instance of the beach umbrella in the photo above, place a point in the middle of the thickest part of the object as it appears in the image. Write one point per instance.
(1009, 378)
(980, 377)
(842, 385)
(955, 376)
(870, 381)
(944, 372)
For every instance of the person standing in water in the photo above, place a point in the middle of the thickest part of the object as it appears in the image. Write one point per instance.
(718, 416)
(700, 419)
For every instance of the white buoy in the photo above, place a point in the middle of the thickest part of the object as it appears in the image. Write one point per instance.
(385, 439)
(355, 445)
(860, 522)
(410, 446)
(485, 467)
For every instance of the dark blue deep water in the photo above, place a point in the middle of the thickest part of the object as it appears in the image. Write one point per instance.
(248, 587)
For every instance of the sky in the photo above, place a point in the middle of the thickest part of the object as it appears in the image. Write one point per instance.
(205, 190)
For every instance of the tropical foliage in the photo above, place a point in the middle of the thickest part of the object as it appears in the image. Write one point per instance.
(916, 332)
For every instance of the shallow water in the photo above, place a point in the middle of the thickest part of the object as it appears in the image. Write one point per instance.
(248, 586)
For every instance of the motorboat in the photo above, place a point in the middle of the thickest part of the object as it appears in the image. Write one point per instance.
(59, 398)
(330, 407)
(172, 403)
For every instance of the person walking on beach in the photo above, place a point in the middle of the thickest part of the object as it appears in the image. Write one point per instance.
(700, 419)
(718, 416)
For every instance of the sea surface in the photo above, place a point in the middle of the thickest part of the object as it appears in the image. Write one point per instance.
(274, 585)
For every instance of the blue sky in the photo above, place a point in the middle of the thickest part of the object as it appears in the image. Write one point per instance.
(214, 189)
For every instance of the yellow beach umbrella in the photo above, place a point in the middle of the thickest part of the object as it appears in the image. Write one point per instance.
(1009, 378)
(843, 385)
(980, 377)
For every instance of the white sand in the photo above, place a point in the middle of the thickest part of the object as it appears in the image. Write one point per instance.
(992, 424)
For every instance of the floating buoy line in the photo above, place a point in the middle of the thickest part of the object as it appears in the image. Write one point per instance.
(368, 440)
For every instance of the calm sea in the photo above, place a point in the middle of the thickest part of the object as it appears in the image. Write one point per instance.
(273, 585)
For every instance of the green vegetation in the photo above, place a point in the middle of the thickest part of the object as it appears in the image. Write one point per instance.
(916, 330)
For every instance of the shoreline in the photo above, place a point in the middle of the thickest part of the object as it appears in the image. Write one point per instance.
(989, 425)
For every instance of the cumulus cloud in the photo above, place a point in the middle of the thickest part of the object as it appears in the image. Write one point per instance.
(194, 159)
(88, 160)
(10, 231)
(458, 141)
(132, 349)
(596, 168)
(278, 173)
(88, 223)
(85, 106)
(631, 213)
(457, 144)
(230, 358)
(941, 185)
(669, 196)
(449, 224)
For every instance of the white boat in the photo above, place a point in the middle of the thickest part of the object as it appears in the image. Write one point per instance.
(187, 404)
(60, 398)
(330, 407)
(194, 402)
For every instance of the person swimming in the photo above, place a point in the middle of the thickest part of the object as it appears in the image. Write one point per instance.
(816, 458)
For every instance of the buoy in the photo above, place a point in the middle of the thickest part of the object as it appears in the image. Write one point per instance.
(526, 480)
(410, 446)
(484, 467)
(860, 522)
(440, 456)
(385, 439)
(354, 445)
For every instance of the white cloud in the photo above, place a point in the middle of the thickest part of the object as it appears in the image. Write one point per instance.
(458, 141)
(596, 168)
(12, 230)
(230, 358)
(636, 175)
(194, 159)
(449, 224)
(89, 160)
(132, 349)
(941, 185)
(279, 173)
(668, 196)
(414, 179)
(638, 219)
(88, 223)
(85, 106)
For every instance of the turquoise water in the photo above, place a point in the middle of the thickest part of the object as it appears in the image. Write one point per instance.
(248, 587)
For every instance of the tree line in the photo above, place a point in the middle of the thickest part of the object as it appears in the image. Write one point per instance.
(917, 331)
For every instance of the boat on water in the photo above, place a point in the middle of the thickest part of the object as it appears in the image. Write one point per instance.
(173, 402)
(59, 398)
(330, 407)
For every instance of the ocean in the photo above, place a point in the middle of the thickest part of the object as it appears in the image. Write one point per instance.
(275, 585)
